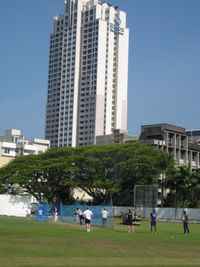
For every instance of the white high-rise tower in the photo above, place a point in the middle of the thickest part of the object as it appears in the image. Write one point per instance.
(88, 73)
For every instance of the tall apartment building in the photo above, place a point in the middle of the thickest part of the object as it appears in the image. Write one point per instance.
(88, 73)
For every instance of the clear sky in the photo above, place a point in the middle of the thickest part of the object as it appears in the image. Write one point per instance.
(164, 62)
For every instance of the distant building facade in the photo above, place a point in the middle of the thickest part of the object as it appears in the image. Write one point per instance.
(174, 140)
(116, 137)
(88, 73)
(194, 136)
(13, 144)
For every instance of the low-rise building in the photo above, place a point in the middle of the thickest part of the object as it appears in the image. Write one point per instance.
(13, 144)
(173, 139)
(194, 136)
(182, 145)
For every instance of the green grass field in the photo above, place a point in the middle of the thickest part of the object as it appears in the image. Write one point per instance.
(25, 242)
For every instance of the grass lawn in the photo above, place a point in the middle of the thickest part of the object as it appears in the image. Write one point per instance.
(25, 242)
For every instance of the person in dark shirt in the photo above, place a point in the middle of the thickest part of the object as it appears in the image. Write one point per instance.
(153, 217)
(130, 221)
(185, 223)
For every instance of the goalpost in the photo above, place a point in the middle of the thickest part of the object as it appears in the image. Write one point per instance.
(145, 196)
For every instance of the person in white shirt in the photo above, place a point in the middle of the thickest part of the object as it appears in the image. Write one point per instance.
(28, 212)
(104, 214)
(88, 214)
(55, 214)
(80, 214)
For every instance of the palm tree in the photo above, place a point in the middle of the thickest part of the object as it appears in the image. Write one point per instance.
(184, 183)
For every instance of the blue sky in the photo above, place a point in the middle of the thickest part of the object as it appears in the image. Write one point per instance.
(164, 62)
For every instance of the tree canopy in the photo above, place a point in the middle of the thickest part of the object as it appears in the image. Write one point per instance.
(184, 184)
(100, 170)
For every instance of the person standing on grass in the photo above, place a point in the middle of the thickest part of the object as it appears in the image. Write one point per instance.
(76, 216)
(129, 217)
(40, 213)
(88, 214)
(80, 214)
(153, 217)
(185, 223)
(104, 214)
(28, 212)
(55, 212)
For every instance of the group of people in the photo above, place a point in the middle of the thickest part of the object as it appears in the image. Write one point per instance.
(153, 222)
(87, 216)
(185, 220)
(130, 219)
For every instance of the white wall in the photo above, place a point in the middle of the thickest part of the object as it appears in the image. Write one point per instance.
(14, 205)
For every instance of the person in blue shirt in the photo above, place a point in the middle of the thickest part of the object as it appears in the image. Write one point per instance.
(153, 217)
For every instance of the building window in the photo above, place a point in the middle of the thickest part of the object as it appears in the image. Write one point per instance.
(6, 150)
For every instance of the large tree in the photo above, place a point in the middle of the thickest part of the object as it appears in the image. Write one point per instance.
(184, 185)
(142, 165)
(110, 169)
(96, 170)
(99, 170)
(48, 176)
